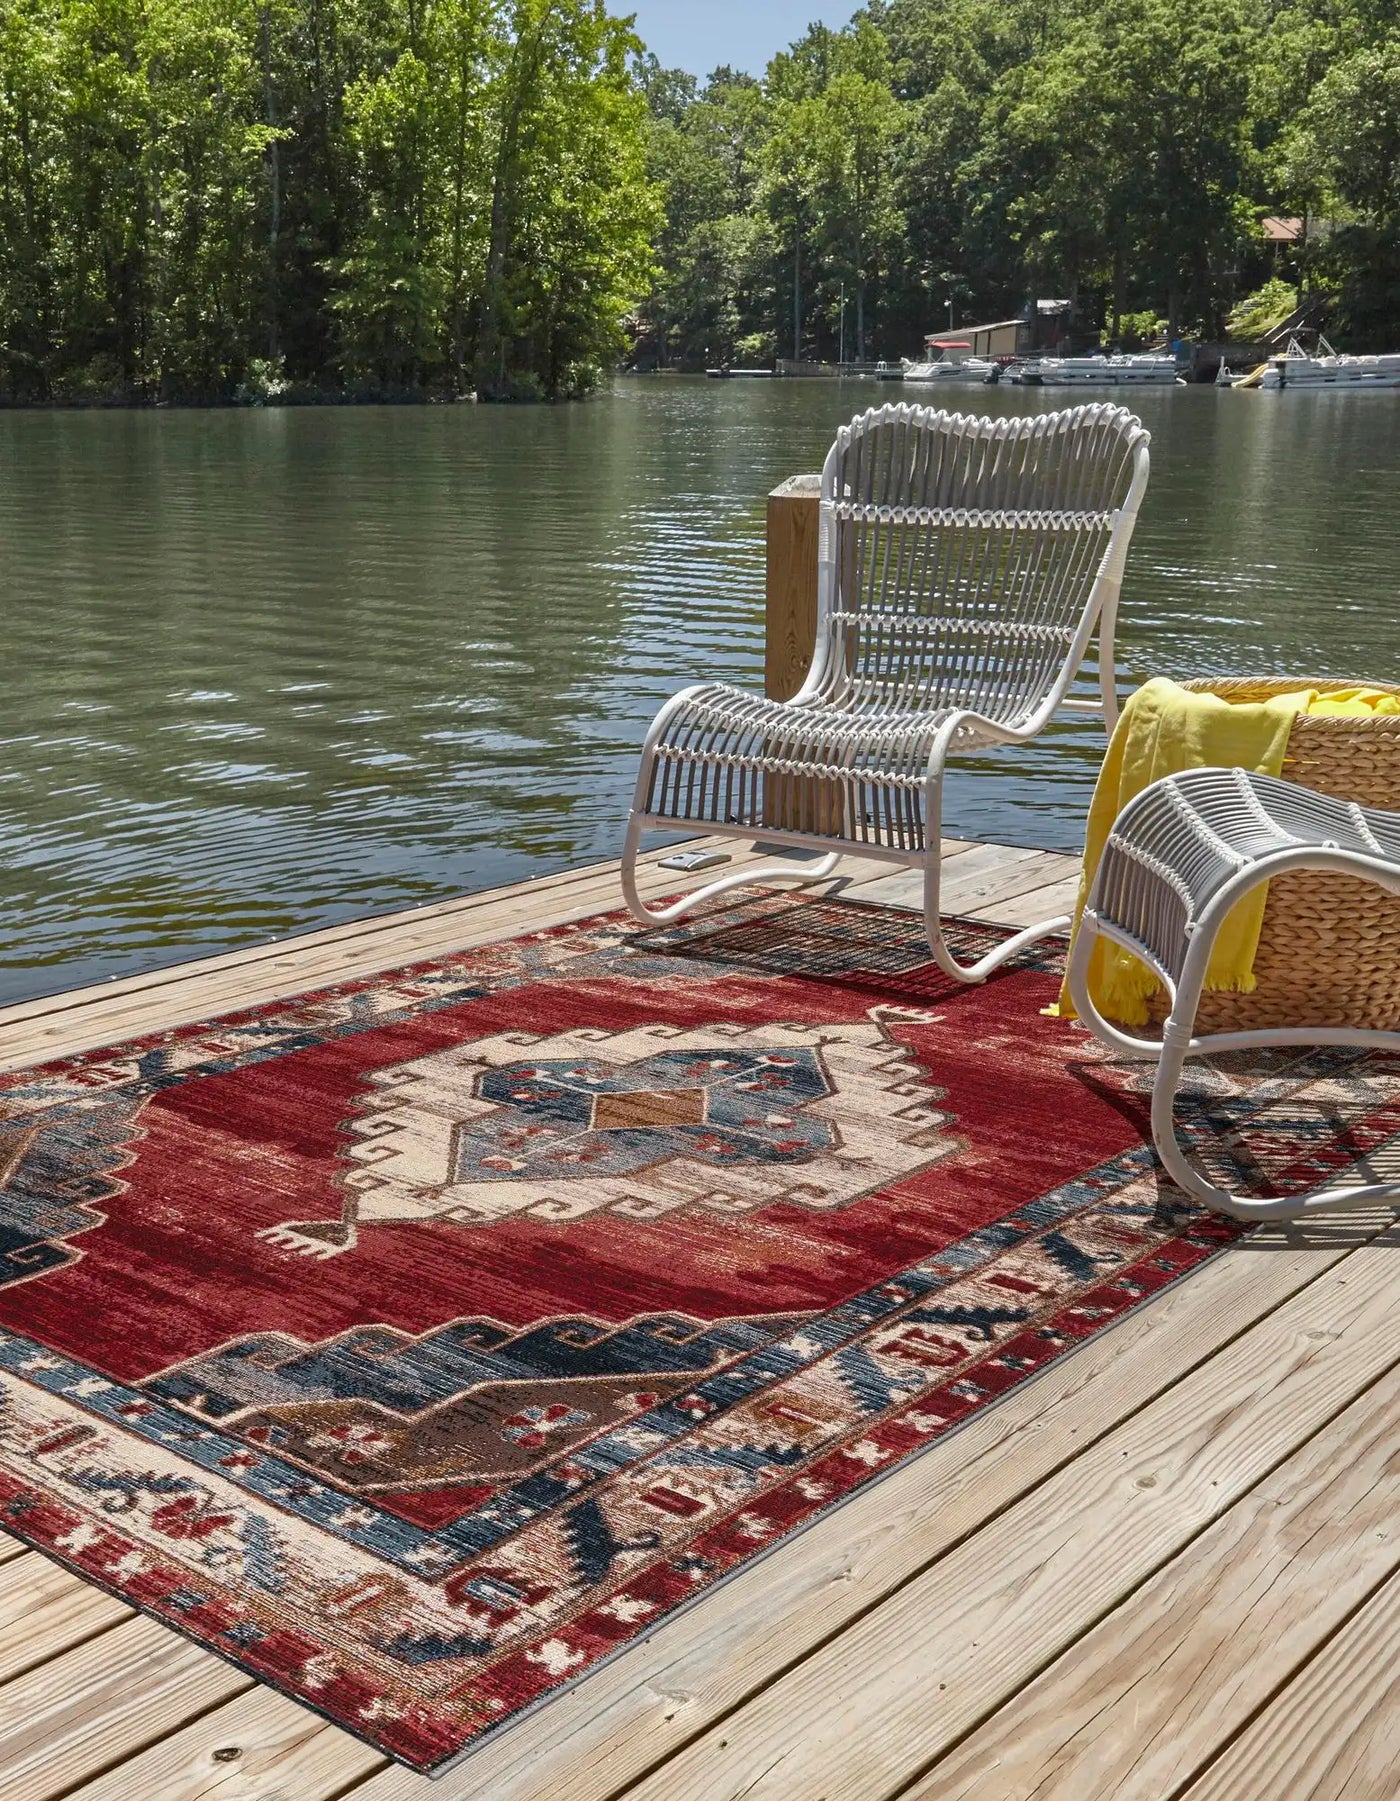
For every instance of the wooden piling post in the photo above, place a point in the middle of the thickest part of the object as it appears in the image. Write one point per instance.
(791, 634)
(794, 515)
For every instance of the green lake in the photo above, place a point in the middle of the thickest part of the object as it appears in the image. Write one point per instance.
(266, 670)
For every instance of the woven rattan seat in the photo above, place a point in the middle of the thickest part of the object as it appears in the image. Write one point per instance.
(876, 759)
(1180, 855)
(965, 564)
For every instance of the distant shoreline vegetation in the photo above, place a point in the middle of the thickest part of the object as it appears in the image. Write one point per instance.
(284, 202)
(954, 157)
(256, 201)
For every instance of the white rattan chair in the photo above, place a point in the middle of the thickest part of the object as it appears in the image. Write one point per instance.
(1180, 855)
(964, 567)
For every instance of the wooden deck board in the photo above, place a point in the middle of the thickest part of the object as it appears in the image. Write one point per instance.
(1147, 1697)
(932, 1661)
(1019, 1555)
(46, 1610)
(978, 882)
(258, 1746)
(1332, 1733)
(77, 1715)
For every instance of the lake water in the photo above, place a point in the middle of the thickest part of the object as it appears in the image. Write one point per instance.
(269, 670)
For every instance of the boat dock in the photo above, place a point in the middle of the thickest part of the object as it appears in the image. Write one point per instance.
(1166, 1567)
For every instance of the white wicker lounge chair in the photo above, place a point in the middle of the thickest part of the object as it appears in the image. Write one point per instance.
(1180, 855)
(964, 566)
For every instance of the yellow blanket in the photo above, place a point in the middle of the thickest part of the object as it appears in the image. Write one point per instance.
(1163, 729)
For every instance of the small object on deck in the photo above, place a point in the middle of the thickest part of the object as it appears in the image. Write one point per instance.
(694, 859)
(1181, 855)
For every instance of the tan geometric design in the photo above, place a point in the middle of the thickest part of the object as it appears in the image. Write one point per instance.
(647, 1107)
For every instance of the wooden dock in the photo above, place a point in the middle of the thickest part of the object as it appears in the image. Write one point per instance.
(1165, 1568)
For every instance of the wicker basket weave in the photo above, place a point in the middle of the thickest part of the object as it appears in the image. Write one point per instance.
(1329, 952)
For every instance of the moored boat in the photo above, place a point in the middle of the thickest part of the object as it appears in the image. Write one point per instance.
(953, 364)
(1137, 370)
(1298, 368)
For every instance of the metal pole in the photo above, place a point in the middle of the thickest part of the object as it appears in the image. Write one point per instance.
(841, 353)
(950, 312)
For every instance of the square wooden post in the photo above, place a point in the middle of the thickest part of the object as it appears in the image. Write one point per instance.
(794, 514)
(794, 517)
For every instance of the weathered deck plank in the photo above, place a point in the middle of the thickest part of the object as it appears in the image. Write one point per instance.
(978, 882)
(959, 1640)
(1333, 1732)
(1146, 1699)
(258, 1746)
(77, 1715)
(46, 1610)
(1027, 1520)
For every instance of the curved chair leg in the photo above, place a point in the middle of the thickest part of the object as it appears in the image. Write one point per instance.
(933, 880)
(1171, 1054)
(660, 916)
(1176, 1045)
(983, 967)
(1077, 979)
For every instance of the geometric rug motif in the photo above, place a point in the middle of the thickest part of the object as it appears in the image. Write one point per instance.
(422, 1343)
(637, 1124)
(378, 1409)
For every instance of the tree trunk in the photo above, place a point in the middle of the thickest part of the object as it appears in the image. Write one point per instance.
(456, 349)
(274, 179)
(522, 78)
(797, 291)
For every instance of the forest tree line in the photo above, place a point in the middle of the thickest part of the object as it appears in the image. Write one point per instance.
(1116, 153)
(218, 199)
(207, 200)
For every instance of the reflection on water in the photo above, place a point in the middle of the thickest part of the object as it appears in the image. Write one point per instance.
(267, 670)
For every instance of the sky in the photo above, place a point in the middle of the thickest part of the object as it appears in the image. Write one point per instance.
(699, 35)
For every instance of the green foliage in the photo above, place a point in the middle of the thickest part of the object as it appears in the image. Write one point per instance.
(1117, 153)
(240, 199)
(208, 200)
(1138, 329)
(1350, 130)
(1263, 309)
(1361, 265)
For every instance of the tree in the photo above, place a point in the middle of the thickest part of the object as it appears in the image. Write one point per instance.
(32, 288)
(572, 212)
(1349, 132)
(203, 198)
(859, 122)
(1347, 139)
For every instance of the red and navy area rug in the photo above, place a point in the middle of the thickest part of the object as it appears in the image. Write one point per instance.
(420, 1343)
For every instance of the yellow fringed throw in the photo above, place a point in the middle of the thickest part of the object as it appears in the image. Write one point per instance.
(1162, 729)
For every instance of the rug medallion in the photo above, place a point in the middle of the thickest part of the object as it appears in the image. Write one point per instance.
(420, 1343)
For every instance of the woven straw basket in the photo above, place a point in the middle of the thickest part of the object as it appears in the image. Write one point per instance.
(1329, 953)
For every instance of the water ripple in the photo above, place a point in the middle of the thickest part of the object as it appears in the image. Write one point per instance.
(271, 670)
